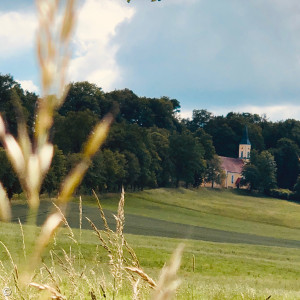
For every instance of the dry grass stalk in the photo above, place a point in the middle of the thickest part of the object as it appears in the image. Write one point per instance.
(68, 268)
(64, 220)
(194, 263)
(54, 293)
(18, 287)
(80, 219)
(143, 275)
(11, 259)
(5, 210)
(98, 233)
(122, 258)
(52, 276)
(53, 53)
(3, 274)
(136, 291)
(168, 282)
(102, 213)
(23, 239)
(47, 231)
(120, 217)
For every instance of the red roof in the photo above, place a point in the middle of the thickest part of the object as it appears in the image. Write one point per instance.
(230, 164)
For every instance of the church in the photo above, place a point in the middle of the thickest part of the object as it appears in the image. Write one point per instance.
(233, 166)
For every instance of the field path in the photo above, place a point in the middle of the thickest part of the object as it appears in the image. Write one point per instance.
(140, 225)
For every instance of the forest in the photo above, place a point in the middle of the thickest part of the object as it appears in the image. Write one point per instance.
(149, 145)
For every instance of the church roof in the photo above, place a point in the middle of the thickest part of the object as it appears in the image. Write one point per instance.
(230, 164)
(245, 139)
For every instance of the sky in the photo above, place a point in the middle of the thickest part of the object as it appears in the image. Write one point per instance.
(233, 55)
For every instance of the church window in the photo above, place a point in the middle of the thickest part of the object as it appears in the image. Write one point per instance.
(242, 154)
(232, 178)
(248, 154)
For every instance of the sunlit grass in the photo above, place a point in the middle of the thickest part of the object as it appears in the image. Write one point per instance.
(222, 271)
(219, 209)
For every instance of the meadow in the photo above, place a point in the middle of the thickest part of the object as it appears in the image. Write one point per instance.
(209, 270)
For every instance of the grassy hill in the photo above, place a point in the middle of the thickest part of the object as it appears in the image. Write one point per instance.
(222, 270)
(229, 210)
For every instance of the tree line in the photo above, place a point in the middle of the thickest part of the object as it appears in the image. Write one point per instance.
(148, 144)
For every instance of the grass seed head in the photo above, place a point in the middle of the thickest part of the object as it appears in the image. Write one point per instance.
(5, 210)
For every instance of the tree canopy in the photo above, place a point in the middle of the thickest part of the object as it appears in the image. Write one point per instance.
(149, 145)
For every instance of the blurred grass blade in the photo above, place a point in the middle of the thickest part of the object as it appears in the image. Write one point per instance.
(5, 210)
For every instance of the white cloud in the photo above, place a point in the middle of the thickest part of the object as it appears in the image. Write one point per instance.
(28, 85)
(186, 114)
(273, 112)
(94, 54)
(17, 32)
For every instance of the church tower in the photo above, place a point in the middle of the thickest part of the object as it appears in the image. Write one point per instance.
(245, 145)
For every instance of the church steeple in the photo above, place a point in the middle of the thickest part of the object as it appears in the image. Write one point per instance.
(245, 145)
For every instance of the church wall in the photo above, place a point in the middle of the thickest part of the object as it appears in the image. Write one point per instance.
(231, 179)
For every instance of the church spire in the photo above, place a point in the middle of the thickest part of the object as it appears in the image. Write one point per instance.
(245, 139)
(245, 145)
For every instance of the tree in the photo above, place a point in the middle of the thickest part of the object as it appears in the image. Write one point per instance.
(260, 172)
(72, 130)
(207, 143)
(225, 140)
(57, 172)
(251, 177)
(186, 154)
(7, 176)
(161, 146)
(114, 169)
(15, 104)
(199, 119)
(286, 156)
(132, 169)
(297, 188)
(214, 172)
(82, 96)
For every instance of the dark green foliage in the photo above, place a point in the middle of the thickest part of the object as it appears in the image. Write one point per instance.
(297, 188)
(145, 112)
(226, 141)
(72, 130)
(148, 145)
(200, 118)
(287, 159)
(187, 156)
(281, 194)
(7, 175)
(207, 143)
(56, 173)
(83, 96)
(214, 172)
(15, 104)
(260, 172)
(251, 176)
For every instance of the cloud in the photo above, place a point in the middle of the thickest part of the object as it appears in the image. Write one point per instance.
(17, 31)
(94, 58)
(221, 52)
(273, 112)
(28, 85)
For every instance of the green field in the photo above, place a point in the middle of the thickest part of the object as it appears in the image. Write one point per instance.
(223, 270)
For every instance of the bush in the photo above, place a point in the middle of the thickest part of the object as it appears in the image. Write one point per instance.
(282, 194)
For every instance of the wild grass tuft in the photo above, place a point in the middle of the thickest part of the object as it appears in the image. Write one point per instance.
(65, 274)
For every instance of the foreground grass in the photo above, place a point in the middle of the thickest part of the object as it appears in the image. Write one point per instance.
(221, 271)
(209, 270)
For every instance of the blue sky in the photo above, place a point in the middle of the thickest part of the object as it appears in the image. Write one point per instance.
(233, 55)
